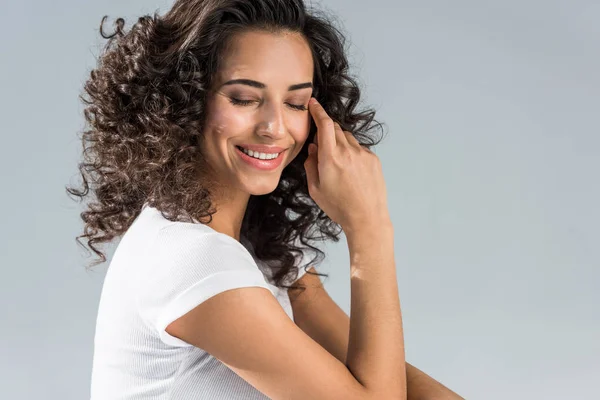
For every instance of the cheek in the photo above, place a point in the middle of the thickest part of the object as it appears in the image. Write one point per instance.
(223, 122)
(300, 130)
(300, 135)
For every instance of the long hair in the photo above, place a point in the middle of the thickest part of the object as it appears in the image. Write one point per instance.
(144, 112)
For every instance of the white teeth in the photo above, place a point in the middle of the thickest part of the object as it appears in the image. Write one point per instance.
(261, 156)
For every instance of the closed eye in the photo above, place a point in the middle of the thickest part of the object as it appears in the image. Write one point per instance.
(298, 107)
(240, 102)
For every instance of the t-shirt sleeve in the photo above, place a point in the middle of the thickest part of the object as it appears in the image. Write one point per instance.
(186, 266)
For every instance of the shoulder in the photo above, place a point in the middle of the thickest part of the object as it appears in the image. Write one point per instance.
(197, 239)
(181, 253)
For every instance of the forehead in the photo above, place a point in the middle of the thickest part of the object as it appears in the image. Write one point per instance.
(273, 58)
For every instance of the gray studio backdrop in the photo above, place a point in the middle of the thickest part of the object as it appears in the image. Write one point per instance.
(491, 161)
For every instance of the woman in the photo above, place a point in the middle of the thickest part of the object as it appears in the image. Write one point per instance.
(207, 157)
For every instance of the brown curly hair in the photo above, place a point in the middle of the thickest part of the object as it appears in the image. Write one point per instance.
(144, 112)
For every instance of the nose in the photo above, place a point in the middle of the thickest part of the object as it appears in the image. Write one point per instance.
(272, 121)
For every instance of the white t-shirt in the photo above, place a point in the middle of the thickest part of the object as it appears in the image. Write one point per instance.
(160, 271)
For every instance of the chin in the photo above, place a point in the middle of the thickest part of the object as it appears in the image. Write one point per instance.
(261, 187)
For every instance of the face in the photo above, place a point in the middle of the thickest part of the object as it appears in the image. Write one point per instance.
(259, 97)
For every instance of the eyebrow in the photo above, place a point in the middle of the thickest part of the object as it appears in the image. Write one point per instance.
(261, 85)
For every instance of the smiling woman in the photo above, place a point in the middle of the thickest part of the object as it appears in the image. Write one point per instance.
(196, 155)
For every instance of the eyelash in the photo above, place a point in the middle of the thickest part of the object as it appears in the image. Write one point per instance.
(239, 102)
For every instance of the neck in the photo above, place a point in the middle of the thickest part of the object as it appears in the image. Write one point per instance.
(230, 213)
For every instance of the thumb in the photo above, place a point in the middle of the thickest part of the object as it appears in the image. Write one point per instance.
(311, 167)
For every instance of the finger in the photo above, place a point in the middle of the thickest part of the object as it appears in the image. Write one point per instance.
(340, 136)
(352, 141)
(326, 137)
(311, 167)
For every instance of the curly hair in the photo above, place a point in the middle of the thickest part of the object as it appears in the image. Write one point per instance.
(144, 112)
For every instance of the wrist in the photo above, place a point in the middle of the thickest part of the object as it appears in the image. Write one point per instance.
(375, 234)
(372, 225)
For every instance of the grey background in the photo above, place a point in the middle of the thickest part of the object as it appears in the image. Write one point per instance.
(491, 163)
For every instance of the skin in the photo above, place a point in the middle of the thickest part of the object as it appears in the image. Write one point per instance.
(277, 61)
(318, 315)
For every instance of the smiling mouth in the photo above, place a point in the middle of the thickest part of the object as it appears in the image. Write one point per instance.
(265, 164)
(270, 156)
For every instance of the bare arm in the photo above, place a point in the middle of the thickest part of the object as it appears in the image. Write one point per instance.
(346, 180)
(375, 354)
(324, 321)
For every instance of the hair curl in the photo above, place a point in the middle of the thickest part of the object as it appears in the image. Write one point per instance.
(145, 104)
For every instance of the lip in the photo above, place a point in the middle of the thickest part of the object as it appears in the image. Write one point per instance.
(265, 165)
(262, 148)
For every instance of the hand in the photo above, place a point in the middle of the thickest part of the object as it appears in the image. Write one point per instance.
(344, 178)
